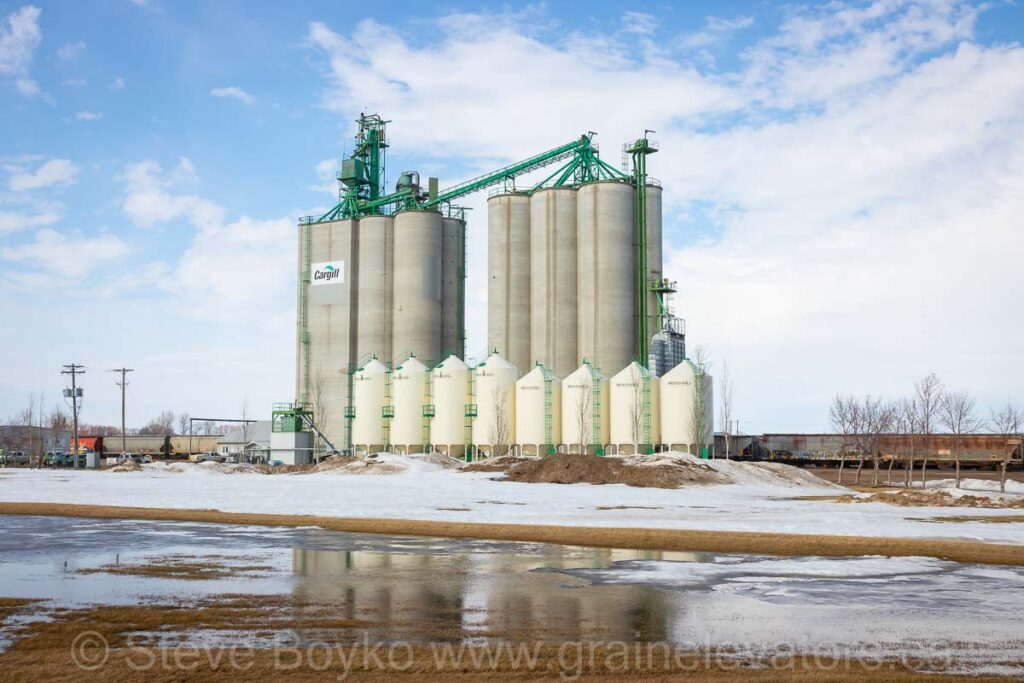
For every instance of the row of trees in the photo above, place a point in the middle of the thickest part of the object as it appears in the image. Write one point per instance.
(864, 423)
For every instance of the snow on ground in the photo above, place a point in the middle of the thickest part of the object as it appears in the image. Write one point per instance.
(978, 487)
(429, 491)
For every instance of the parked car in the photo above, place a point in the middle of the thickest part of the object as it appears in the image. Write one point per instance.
(209, 457)
(53, 458)
(69, 460)
(16, 458)
(141, 459)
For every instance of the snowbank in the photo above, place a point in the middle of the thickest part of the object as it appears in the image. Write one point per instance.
(424, 490)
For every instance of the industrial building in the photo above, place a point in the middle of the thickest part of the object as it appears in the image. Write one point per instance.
(574, 277)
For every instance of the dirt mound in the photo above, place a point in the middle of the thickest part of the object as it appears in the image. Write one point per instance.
(500, 464)
(591, 469)
(441, 459)
(918, 498)
(127, 466)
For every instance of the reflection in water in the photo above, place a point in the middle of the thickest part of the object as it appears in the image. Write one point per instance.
(480, 592)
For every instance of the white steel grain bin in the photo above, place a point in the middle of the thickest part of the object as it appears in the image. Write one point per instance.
(369, 391)
(450, 393)
(634, 407)
(410, 430)
(508, 277)
(538, 412)
(494, 394)
(585, 411)
(687, 407)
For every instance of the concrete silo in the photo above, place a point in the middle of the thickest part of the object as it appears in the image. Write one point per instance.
(585, 410)
(508, 273)
(606, 274)
(417, 285)
(375, 283)
(327, 256)
(687, 409)
(451, 395)
(369, 391)
(538, 412)
(410, 431)
(453, 296)
(553, 259)
(635, 410)
(494, 394)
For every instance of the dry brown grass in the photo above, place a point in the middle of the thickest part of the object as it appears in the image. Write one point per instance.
(45, 653)
(919, 498)
(685, 540)
(183, 567)
(987, 519)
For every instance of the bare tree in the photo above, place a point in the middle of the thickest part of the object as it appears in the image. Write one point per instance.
(161, 425)
(26, 419)
(1007, 421)
(500, 428)
(843, 416)
(58, 421)
(909, 415)
(699, 426)
(319, 403)
(725, 407)
(928, 397)
(637, 407)
(876, 420)
(246, 429)
(183, 420)
(957, 414)
(585, 413)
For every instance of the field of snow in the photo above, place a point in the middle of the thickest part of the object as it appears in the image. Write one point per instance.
(419, 490)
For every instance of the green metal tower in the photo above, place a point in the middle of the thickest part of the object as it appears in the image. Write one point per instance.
(639, 151)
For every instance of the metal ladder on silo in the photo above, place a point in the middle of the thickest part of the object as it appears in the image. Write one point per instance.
(549, 439)
(471, 412)
(387, 412)
(428, 408)
(645, 378)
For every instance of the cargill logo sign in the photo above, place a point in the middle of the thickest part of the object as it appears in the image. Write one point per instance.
(330, 273)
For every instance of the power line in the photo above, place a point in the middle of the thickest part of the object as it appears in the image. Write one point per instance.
(74, 392)
(123, 384)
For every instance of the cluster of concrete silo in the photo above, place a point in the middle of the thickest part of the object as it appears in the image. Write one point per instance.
(562, 282)
(385, 286)
(490, 410)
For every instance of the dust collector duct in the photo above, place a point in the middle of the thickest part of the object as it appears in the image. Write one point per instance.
(654, 267)
(553, 258)
(417, 289)
(508, 277)
(606, 274)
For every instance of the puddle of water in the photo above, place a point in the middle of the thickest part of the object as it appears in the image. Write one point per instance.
(417, 588)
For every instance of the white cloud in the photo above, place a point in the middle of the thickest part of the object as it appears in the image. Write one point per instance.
(71, 51)
(639, 23)
(149, 201)
(69, 255)
(859, 181)
(76, 82)
(234, 93)
(52, 172)
(326, 172)
(117, 84)
(19, 39)
(88, 116)
(716, 29)
(13, 222)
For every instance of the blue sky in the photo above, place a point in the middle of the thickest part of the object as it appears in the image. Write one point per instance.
(843, 181)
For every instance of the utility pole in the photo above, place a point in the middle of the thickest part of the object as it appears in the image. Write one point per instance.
(123, 384)
(74, 370)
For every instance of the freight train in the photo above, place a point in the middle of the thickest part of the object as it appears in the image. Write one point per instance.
(171, 447)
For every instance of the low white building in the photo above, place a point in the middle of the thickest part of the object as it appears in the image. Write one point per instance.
(250, 442)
